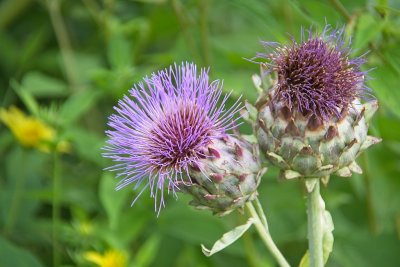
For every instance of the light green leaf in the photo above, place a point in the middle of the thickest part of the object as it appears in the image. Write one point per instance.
(228, 238)
(41, 85)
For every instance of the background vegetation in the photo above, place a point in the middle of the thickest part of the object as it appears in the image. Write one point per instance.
(67, 62)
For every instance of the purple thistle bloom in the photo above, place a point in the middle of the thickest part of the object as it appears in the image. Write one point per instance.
(162, 128)
(316, 75)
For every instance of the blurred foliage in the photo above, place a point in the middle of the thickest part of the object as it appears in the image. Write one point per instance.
(68, 62)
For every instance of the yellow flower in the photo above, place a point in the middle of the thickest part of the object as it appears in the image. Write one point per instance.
(110, 258)
(29, 131)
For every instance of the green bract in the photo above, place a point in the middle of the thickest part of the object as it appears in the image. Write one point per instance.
(305, 145)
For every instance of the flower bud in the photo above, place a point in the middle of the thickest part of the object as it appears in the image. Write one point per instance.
(227, 177)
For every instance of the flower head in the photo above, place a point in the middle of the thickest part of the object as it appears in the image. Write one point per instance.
(30, 131)
(164, 126)
(316, 75)
(110, 258)
(310, 120)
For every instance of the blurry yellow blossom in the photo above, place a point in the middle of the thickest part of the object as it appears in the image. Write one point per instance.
(110, 258)
(29, 131)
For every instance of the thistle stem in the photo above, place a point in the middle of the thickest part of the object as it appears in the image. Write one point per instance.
(262, 229)
(314, 219)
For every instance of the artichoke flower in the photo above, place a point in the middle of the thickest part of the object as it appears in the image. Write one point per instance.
(310, 119)
(173, 131)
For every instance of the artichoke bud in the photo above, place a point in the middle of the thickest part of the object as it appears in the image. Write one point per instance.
(302, 145)
(226, 177)
(310, 121)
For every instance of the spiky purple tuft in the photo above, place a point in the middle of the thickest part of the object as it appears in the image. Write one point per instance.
(164, 126)
(316, 75)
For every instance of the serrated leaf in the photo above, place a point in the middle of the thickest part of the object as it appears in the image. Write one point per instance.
(228, 238)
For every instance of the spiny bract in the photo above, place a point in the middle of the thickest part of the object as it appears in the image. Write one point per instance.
(227, 178)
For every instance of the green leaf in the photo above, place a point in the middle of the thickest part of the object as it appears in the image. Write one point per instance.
(228, 238)
(26, 97)
(41, 85)
(327, 238)
(111, 199)
(11, 255)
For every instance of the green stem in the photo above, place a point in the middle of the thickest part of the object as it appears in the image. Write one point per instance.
(315, 233)
(56, 207)
(261, 213)
(266, 236)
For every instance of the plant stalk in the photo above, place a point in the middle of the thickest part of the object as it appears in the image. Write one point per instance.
(315, 231)
(262, 229)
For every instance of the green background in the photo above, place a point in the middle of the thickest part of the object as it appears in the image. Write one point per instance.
(69, 61)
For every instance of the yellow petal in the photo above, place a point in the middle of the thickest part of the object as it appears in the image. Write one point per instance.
(111, 258)
(30, 131)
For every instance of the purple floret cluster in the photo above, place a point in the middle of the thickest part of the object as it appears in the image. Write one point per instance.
(161, 128)
(316, 75)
